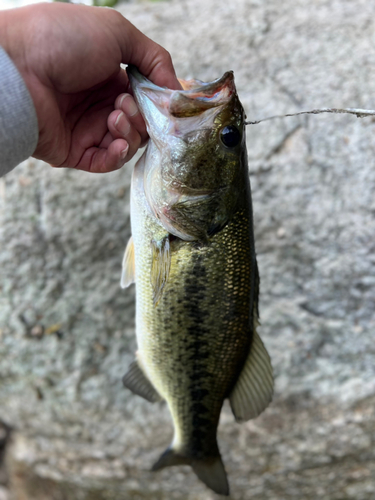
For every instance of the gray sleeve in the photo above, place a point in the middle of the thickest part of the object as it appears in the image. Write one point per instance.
(18, 120)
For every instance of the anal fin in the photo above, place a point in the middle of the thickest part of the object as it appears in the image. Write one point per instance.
(139, 384)
(254, 388)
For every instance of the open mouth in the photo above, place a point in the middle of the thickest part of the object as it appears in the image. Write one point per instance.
(195, 98)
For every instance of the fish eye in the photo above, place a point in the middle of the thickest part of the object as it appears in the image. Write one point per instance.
(230, 136)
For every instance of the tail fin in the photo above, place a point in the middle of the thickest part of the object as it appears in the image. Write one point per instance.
(210, 470)
(169, 458)
(213, 474)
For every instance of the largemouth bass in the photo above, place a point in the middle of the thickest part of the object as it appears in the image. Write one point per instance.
(193, 259)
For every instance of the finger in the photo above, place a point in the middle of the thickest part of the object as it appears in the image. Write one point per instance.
(152, 60)
(160, 68)
(127, 104)
(101, 160)
(93, 147)
(107, 140)
(120, 127)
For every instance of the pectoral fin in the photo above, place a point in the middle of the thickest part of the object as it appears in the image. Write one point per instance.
(139, 384)
(161, 264)
(254, 388)
(128, 265)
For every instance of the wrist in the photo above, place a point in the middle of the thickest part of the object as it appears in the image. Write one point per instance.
(14, 34)
(16, 104)
(4, 15)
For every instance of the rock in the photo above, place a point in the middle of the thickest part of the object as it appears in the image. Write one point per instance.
(4, 494)
(4, 439)
(67, 329)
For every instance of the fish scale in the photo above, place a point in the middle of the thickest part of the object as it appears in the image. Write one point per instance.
(200, 329)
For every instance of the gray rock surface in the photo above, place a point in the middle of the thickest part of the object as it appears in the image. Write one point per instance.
(67, 330)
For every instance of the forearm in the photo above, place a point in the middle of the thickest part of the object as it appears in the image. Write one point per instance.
(18, 120)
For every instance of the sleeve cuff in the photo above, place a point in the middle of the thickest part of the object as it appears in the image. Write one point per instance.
(18, 119)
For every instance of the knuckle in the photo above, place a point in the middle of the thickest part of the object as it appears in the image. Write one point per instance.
(116, 15)
(166, 56)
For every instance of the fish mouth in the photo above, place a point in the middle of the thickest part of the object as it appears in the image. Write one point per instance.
(162, 107)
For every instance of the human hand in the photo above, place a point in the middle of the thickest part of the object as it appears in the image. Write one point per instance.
(69, 57)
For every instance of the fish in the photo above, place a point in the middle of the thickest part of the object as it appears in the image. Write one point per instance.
(192, 257)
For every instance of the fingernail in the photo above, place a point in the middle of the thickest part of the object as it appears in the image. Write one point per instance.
(122, 124)
(122, 100)
(129, 106)
(124, 152)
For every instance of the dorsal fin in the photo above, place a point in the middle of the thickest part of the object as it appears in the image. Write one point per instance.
(254, 388)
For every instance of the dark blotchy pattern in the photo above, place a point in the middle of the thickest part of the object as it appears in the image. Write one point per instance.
(195, 341)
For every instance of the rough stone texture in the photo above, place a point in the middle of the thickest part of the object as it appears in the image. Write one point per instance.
(67, 330)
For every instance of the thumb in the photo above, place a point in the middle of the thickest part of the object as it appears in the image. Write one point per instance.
(152, 60)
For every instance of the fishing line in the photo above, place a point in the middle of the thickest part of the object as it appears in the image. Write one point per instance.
(360, 113)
